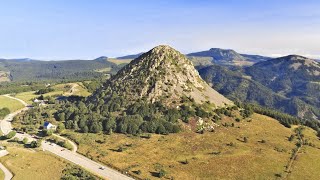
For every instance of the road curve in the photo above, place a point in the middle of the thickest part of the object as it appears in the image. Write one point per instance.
(75, 147)
(86, 163)
(7, 174)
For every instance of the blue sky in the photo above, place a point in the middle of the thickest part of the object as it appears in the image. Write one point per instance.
(83, 29)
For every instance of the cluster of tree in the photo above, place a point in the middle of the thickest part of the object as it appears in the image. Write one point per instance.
(247, 111)
(93, 85)
(138, 118)
(31, 120)
(227, 111)
(285, 119)
(17, 87)
(4, 112)
(74, 172)
(44, 91)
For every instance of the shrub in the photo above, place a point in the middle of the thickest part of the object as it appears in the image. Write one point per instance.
(162, 173)
(291, 137)
(25, 140)
(4, 112)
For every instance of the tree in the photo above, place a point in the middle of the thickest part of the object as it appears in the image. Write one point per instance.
(61, 117)
(47, 132)
(35, 144)
(69, 124)
(95, 127)
(85, 129)
(176, 128)
(161, 129)
(109, 124)
(60, 127)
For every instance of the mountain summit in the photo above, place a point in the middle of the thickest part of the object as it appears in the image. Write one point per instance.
(228, 57)
(295, 77)
(163, 74)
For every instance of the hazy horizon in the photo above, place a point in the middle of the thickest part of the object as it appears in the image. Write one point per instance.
(73, 29)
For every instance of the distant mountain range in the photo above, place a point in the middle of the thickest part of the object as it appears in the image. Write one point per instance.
(217, 56)
(229, 57)
(34, 70)
(290, 84)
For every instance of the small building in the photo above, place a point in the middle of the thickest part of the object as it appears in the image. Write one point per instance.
(48, 125)
(40, 102)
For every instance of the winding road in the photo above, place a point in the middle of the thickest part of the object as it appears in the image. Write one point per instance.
(7, 174)
(73, 156)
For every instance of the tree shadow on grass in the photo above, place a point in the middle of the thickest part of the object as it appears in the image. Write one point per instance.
(154, 174)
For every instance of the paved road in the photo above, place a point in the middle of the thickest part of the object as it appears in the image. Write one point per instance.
(88, 164)
(5, 124)
(85, 162)
(7, 174)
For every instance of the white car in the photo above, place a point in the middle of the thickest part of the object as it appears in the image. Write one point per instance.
(102, 168)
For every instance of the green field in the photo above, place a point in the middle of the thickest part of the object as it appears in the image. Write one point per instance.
(27, 96)
(59, 90)
(207, 155)
(12, 104)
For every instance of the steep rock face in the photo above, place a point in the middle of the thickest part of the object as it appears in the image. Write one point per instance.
(163, 74)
